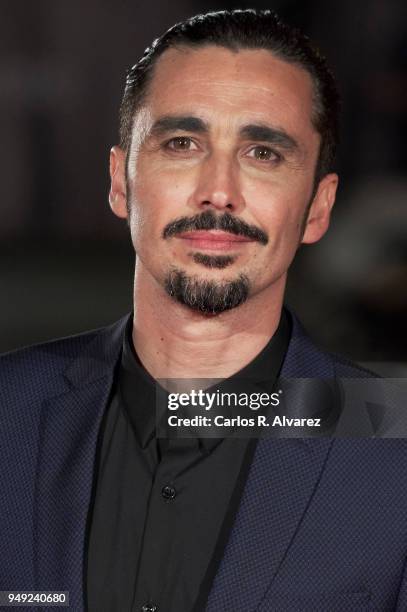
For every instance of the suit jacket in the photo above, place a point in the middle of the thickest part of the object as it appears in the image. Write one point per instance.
(322, 523)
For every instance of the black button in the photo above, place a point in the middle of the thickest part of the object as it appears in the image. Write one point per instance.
(168, 492)
(149, 608)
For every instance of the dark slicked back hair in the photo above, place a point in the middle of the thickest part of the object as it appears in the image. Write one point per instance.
(235, 30)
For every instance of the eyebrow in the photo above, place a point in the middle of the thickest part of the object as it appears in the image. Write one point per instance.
(265, 133)
(172, 123)
(258, 132)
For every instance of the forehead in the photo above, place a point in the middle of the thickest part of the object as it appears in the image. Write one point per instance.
(245, 85)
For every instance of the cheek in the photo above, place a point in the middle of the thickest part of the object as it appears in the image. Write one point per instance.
(278, 210)
(275, 209)
(161, 191)
(155, 201)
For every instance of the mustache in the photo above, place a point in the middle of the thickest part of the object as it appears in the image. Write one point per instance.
(209, 221)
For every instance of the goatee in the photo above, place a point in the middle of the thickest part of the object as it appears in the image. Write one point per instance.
(207, 296)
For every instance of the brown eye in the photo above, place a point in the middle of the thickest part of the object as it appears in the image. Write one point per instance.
(262, 153)
(181, 143)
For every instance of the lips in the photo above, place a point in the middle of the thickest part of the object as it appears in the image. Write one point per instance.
(213, 239)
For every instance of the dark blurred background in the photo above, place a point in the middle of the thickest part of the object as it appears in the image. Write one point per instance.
(66, 261)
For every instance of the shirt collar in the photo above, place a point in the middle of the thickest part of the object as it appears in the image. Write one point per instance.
(137, 388)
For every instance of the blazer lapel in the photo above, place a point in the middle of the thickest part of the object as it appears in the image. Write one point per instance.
(70, 426)
(282, 479)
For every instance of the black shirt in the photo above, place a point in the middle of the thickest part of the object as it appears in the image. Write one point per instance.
(163, 508)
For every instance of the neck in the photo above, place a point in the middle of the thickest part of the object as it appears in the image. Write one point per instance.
(173, 341)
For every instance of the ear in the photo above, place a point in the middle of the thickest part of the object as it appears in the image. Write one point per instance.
(117, 194)
(320, 210)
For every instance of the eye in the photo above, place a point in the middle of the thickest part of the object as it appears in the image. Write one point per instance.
(181, 143)
(263, 153)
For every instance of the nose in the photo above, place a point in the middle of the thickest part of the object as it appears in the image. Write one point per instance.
(218, 185)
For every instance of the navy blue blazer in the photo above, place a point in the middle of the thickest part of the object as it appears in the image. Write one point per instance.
(322, 523)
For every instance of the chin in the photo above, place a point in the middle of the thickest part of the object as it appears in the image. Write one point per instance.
(208, 296)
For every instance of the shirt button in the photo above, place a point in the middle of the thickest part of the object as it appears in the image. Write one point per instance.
(168, 492)
(149, 608)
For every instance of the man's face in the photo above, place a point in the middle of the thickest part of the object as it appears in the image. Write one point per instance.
(220, 174)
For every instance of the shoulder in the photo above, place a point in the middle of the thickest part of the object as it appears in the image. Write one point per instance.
(42, 362)
(346, 368)
(305, 358)
(34, 371)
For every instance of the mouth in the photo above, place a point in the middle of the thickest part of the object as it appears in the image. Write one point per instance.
(215, 240)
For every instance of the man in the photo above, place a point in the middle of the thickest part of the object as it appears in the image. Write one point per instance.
(228, 131)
